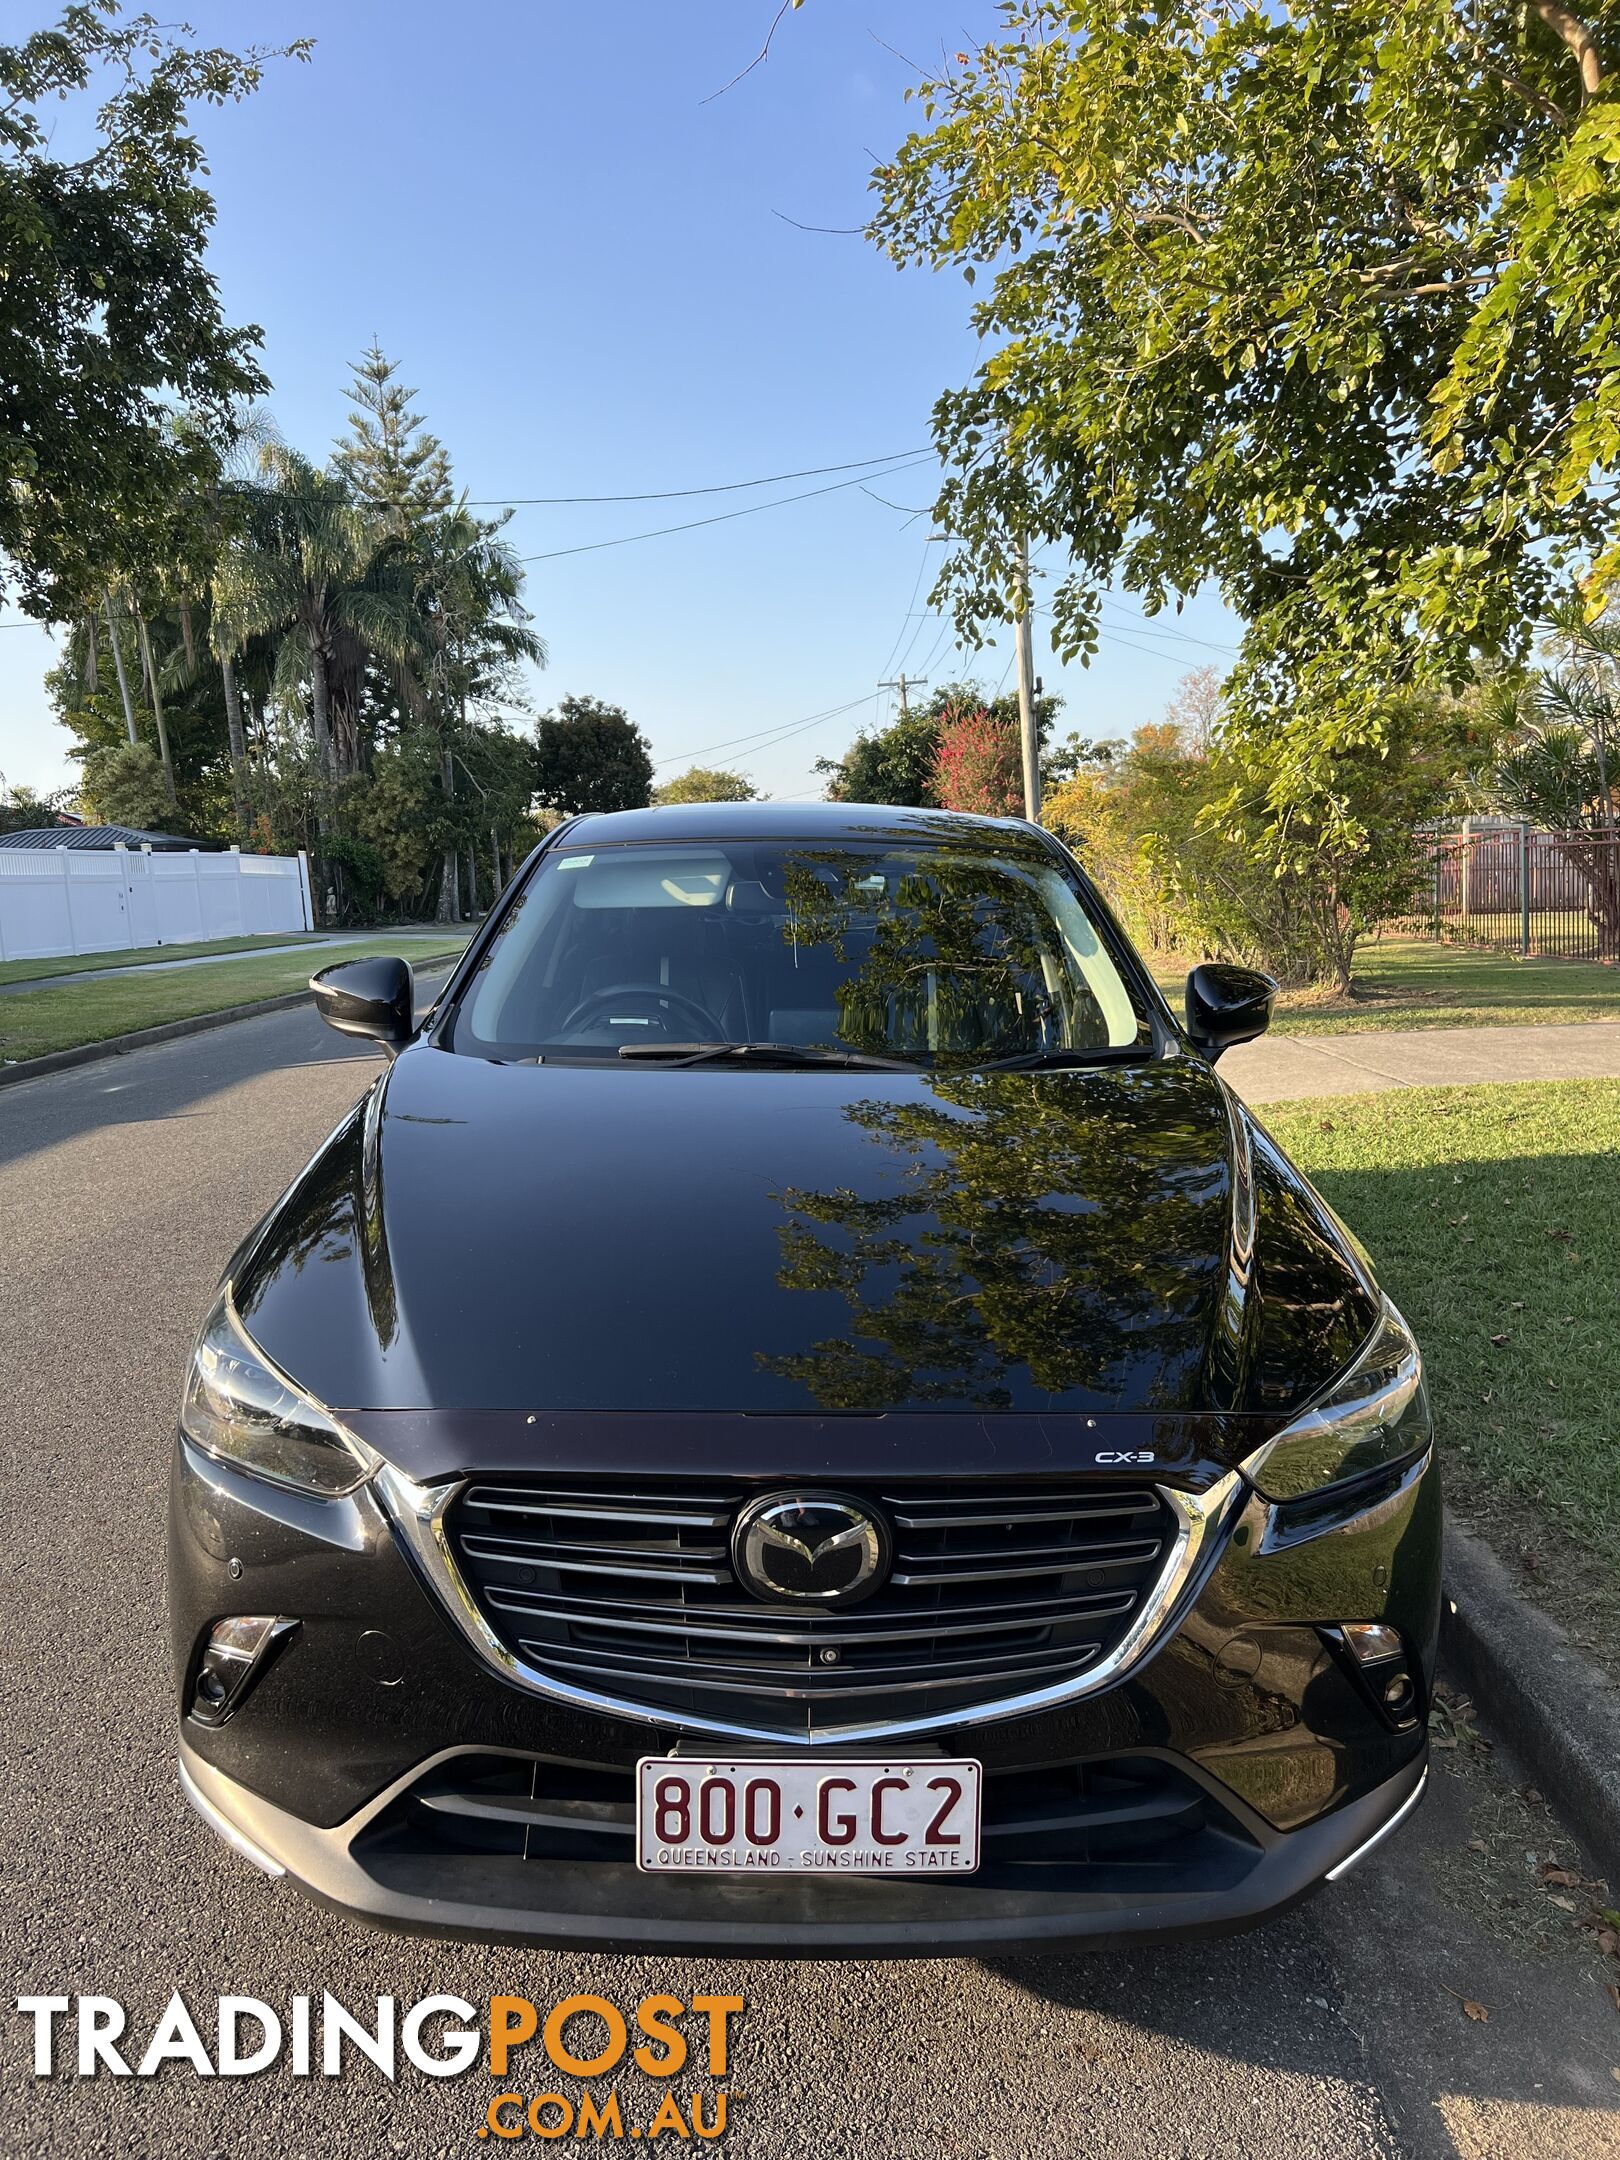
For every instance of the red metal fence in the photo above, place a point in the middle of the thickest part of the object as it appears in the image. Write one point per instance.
(1524, 891)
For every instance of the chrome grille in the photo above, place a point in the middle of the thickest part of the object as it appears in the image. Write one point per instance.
(629, 1591)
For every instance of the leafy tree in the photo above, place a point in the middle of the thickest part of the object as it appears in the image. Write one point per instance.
(107, 311)
(1134, 822)
(1317, 874)
(290, 792)
(486, 820)
(497, 766)
(124, 785)
(703, 783)
(24, 809)
(1076, 754)
(888, 765)
(1313, 301)
(397, 810)
(897, 764)
(199, 548)
(592, 756)
(1561, 766)
(395, 468)
(1196, 707)
(956, 1268)
(1210, 853)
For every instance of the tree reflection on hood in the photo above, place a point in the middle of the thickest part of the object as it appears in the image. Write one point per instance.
(1065, 1234)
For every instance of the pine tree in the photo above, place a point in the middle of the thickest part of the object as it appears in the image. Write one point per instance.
(398, 470)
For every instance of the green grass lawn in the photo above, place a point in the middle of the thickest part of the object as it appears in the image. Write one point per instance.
(1413, 983)
(33, 1022)
(1492, 1216)
(15, 971)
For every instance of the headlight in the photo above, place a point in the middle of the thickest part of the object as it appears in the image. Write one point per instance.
(237, 1406)
(1376, 1412)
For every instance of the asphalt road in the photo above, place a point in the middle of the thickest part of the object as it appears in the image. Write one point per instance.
(1337, 2033)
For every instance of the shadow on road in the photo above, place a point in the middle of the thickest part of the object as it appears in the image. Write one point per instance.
(1449, 1912)
(170, 1079)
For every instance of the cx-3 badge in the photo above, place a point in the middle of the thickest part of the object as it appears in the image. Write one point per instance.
(810, 1548)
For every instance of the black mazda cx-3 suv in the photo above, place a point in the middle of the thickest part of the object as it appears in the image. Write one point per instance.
(800, 1414)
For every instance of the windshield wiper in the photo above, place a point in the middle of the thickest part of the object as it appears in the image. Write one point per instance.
(1055, 1060)
(760, 1053)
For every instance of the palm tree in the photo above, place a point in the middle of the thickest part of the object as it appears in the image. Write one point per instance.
(465, 585)
(118, 664)
(166, 565)
(252, 433)
(1559, 767)
(149, 669)
(305, 566)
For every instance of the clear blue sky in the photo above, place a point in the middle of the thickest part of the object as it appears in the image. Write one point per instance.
(579, 264)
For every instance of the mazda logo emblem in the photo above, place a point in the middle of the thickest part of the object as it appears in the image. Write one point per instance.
(810, 1548)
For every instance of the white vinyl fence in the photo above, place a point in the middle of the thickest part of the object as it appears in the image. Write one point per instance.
(73, 900)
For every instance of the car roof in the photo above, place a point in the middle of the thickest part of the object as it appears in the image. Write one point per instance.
(790, 821)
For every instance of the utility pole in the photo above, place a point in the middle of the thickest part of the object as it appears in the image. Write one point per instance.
(1022, 626)
(905, 684)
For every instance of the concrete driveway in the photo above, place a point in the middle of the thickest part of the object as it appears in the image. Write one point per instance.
(1281, 1068)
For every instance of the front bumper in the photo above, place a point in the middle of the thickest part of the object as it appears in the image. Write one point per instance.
(1268, 1765)
(611, 1906)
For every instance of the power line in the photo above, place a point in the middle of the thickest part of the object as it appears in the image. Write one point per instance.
(765, 738)
(1118, 637)
(1145, 625)
(756, 747)
(779, 733)
(1151, 652)
(910, 604)
(946, 637)
(918, 617)
(721, 487)
(911, 642)
(592, 547)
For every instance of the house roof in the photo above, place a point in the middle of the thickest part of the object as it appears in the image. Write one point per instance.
(99, 837)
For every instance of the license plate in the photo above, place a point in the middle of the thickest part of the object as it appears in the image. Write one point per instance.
(857, 1817)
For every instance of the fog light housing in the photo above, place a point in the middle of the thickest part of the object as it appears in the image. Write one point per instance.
(1399, 1695)
(234, 1657)
(1370, 1641)
(1376, 1654)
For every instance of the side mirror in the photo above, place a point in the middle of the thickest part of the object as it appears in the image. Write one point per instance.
(1227, 1005)
(374, 998)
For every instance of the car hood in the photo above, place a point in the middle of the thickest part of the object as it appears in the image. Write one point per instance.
(835, 1244)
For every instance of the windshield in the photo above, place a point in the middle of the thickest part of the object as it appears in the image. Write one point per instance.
(943, 955)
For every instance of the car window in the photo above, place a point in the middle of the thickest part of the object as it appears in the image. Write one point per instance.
(943, 954)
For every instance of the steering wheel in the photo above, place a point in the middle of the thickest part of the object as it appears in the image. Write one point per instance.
(709, 1028)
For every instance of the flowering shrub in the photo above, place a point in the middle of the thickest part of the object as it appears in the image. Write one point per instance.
(977, 765)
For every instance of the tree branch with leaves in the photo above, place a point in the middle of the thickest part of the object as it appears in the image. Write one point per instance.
(1310, 303)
